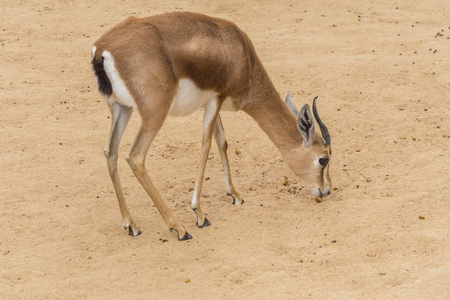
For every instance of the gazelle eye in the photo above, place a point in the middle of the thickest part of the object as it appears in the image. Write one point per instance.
(324, 161)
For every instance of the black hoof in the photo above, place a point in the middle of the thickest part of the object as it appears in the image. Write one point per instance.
(186, 237)
(234, 199)
(234, 202)
(206, 223)
(130, 232)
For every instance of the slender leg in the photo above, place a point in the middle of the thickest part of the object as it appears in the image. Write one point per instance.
(121, 116)
(219, 135)
(136, 160)
(212, 109)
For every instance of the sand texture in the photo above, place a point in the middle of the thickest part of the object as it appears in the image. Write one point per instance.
(381, 71)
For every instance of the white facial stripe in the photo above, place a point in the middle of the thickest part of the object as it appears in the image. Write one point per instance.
(316, 162)
(121, 94)
(93, 50)
(325, 171)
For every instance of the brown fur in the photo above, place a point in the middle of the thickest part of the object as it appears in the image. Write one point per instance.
(152, 54)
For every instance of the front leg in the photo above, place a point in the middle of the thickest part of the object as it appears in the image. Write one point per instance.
(212, 109)
(219, 135)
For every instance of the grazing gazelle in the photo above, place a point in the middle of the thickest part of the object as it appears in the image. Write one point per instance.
(177, 63)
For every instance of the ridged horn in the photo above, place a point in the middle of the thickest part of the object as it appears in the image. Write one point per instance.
(323, 128)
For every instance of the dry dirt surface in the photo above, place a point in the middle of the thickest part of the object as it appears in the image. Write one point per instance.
(381, 71)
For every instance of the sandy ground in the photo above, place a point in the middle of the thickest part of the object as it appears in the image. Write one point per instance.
(381, 71)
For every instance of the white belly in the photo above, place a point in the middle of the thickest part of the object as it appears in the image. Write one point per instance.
(190, 98)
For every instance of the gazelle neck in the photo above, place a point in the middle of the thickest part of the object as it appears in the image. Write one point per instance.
(266, 107)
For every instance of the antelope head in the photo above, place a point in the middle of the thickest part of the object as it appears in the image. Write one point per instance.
(311, 161)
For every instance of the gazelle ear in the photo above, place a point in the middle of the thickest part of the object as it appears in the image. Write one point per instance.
(305, 124)
(290, 104)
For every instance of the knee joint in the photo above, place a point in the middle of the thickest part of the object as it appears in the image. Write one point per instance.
(106, 152)
(136, 165)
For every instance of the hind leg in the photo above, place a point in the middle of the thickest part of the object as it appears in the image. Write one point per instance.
(121, 115)
(136, 159)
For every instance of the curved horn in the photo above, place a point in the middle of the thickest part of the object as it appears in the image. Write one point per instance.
(323, 128)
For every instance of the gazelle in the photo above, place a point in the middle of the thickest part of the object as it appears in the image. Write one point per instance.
(177, 63)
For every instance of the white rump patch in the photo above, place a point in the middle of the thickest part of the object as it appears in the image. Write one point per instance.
(120, 94)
